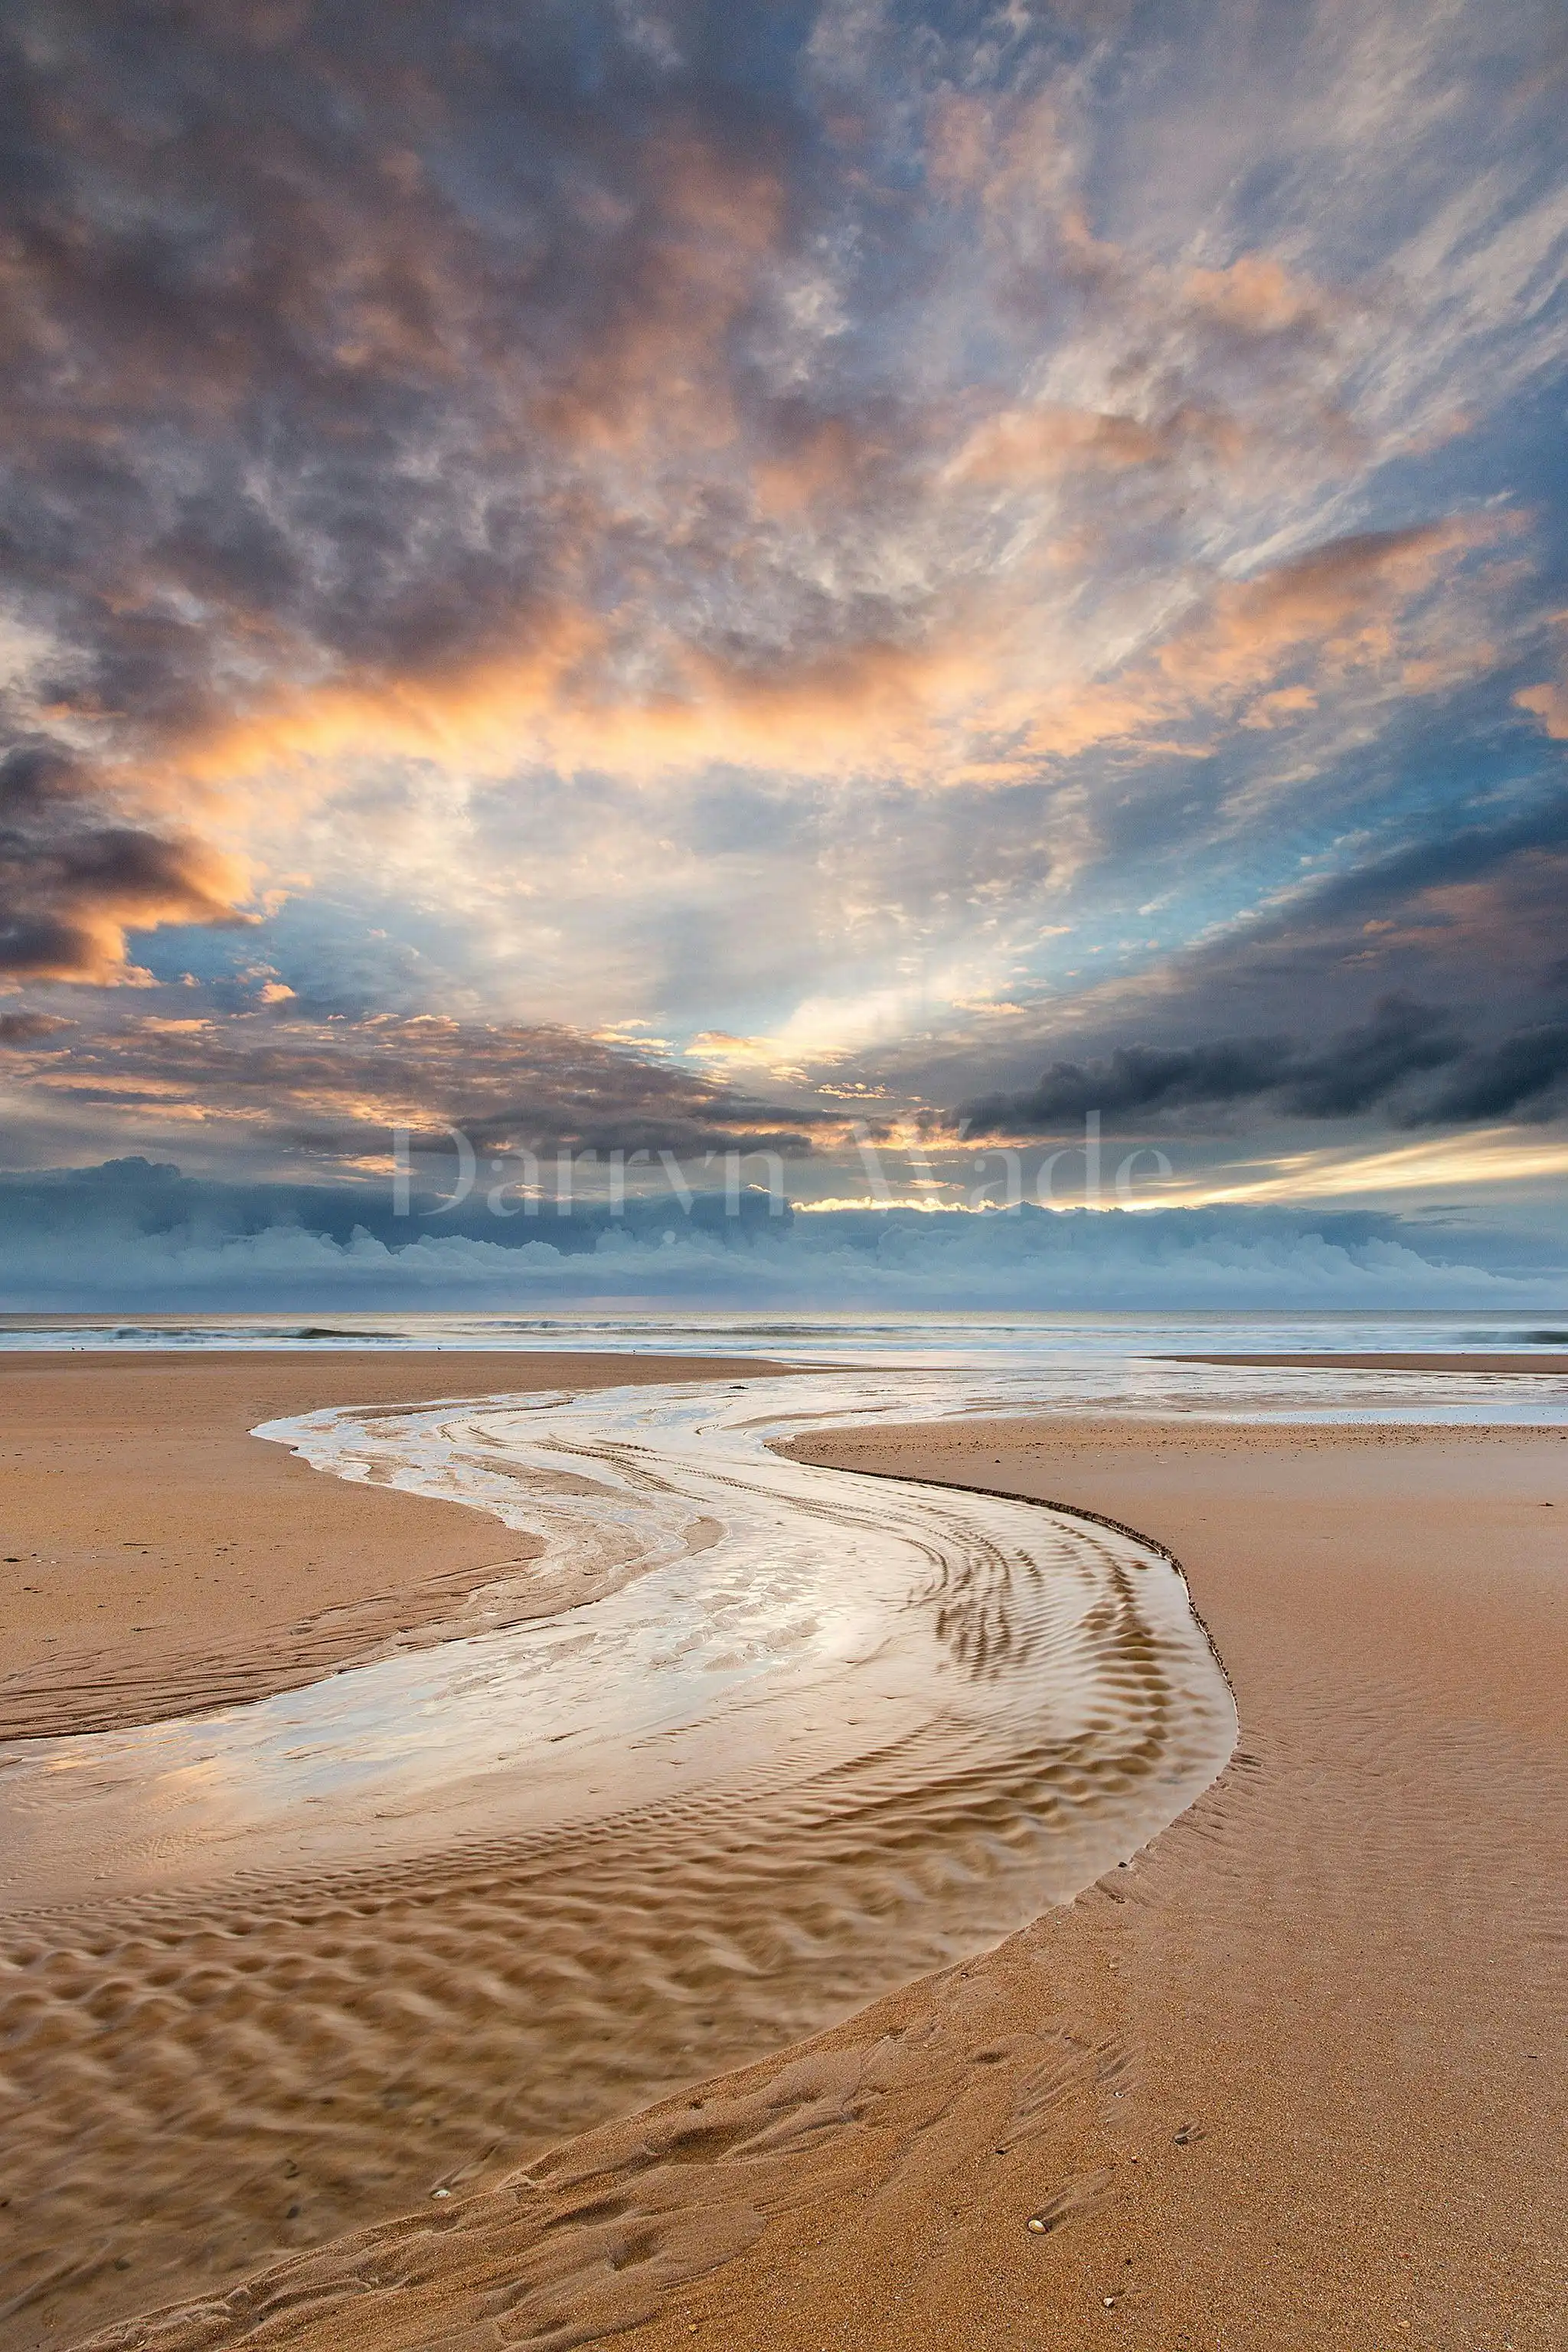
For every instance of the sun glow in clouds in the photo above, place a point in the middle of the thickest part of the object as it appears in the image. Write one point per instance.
(966, 569)
(1490, 1157)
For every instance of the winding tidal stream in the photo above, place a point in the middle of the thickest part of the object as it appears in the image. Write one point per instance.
(752, 1742)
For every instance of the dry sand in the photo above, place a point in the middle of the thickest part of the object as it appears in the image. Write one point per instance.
(1292, 2079)
(160, 1559)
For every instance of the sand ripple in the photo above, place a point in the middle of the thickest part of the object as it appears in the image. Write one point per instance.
(780, 1737)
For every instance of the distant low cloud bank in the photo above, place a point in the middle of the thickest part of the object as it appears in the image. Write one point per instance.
(132, 1236)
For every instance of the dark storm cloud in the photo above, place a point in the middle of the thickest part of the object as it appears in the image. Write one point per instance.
(1521, 1076)
(1467, 918)
(1134, 1078)
(71, 884)
(1460, 855)
(1361, 1069)
(1368, 1065)
(1376, 1066)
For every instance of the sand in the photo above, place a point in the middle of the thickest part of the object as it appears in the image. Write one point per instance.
(1514, 1364)
(161, 1561)
(237, 2027)
(1293, 2078)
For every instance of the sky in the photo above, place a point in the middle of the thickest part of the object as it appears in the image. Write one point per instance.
(870, 583)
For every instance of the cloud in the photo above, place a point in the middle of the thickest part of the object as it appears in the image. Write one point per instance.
(1347, 611)
(29, 1028)
(1371, 1067)
(1548, 701)
(790, 526)
(1258, 296)
(1134, 1078)
(1482, 1161)
(1524, 1076)
(326, 396)
(72, 885)
(1361, 1069)
(1364, 1066)
(276, 1080)
(1044, 443)
(1467, 915)
(130, 1237)
(403, 350)
(69, 898)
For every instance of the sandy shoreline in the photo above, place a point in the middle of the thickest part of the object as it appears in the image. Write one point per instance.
(1291, 2080)
(162, 1562)
(1515, 1365)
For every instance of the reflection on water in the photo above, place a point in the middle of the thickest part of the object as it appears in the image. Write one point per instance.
(704, 1608)
(794, 1737)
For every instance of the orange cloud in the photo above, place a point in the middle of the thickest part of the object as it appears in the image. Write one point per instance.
(1335, 613)
(344, 1084)
(1276, 709)
(1549, 703)
(961, 703)
(1549, 700)
(1023, 444)
(826, 464)
(66, 905)
(1257, 294)
(868, 706)
(485, 714)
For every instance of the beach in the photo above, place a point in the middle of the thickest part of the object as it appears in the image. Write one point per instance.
(1289, 2078)
(163, 1561)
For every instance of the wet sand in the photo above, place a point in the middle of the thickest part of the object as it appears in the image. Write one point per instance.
(318, 1960)
(161, 1561)
(1515, 1364)
(1291, 2079)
